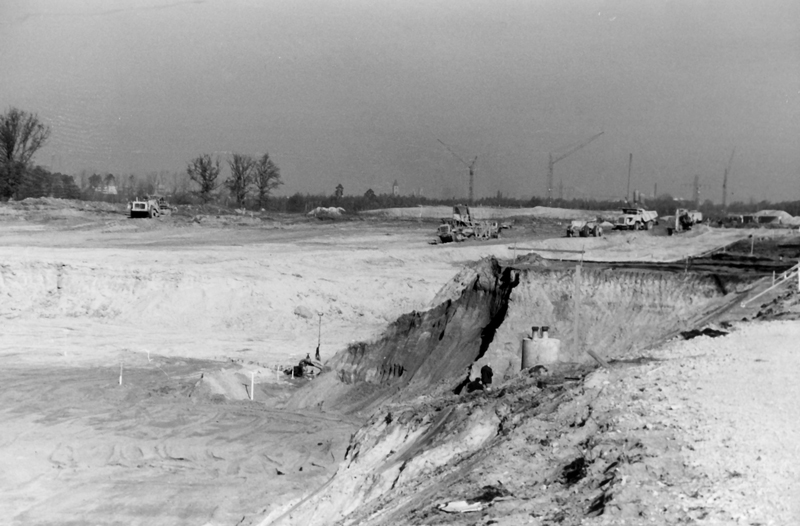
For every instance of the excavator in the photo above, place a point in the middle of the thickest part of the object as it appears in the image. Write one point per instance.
(462, 226)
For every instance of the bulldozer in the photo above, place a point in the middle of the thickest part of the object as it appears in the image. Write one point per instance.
(461, 226)
(685, 220)
(150, 206)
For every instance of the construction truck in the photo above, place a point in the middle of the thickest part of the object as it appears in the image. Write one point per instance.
(584, 229)
(636, 219)
(462, 226)
(150, 206)
(685, 220)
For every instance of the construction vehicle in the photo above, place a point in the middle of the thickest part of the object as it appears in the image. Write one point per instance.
(636, 219)
(685, 220)
(150, 206)
(584, 229)
(462, 227)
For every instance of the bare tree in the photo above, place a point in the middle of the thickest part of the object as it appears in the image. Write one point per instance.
(241, 177)
(204, 171)
(267, 178)
(21, 136)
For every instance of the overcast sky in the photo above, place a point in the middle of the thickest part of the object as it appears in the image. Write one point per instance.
(358, 92)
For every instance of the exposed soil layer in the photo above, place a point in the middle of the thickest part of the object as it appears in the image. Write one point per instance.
(691, 432)
(419, 351)
(487, 310)
(677, 436)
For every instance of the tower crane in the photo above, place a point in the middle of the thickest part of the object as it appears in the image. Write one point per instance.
(470, 166)
(725, 182)
(554, 158)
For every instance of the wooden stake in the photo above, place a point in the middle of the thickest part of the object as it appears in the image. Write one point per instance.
(252, 385)
(120, 373)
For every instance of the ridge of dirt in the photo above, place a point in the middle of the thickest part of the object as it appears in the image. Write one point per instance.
(485, 312)
(671, 437)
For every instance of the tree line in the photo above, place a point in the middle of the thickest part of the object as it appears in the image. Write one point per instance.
(249, 176)
(252, 180)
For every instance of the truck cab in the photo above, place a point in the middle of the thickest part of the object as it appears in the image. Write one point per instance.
(636, 219)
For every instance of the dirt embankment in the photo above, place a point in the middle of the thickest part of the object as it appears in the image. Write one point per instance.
(487, 310)
(577, 449)
(562, 449)
(419, 350)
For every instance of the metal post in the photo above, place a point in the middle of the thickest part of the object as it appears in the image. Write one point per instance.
(628, 190)
(577, 311)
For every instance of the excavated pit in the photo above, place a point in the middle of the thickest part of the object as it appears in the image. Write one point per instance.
(483, 314)
(547, 441)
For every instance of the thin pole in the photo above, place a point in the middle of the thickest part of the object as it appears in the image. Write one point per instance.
(120, 373)
(252, 385)
(577, 310)
(628, 191)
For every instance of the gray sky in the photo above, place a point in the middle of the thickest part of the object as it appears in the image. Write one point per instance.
(358, 92)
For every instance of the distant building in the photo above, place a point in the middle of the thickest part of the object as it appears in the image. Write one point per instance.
(110, 185)
(395, 188)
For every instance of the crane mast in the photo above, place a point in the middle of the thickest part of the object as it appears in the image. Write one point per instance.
(725, 181)
(470, 166)
(554, 158)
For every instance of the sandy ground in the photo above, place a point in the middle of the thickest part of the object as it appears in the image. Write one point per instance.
(212, 299)
(734, 399)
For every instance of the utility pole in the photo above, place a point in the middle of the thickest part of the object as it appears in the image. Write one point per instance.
(725, 182)
(630, 165)
(553, 159)
(470, 167)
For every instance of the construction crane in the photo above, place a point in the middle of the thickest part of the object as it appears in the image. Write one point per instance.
(725, 182)
(470, 166)
(553, 159)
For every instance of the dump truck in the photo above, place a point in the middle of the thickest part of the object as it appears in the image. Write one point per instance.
(584, 229)
(150, 206)
(461, 226)
(685, 220)
(636, 219)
